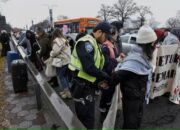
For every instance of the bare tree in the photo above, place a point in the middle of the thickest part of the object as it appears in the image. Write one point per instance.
(44, 24)
(143, 11)
(105, 12)
(124, 9)
(172, 22)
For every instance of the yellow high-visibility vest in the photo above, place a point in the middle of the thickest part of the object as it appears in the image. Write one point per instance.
(99, 60)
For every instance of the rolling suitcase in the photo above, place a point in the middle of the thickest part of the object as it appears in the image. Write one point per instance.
(19, 75)
(11, 55)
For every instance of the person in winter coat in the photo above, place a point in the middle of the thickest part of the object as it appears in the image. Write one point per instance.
(134, 75)
(25, 43)
(32, 39)
(44, 43)
(160, 33)
(170, 38)
(61, 54)
(4, 40)
(110, 52)
(118, 25)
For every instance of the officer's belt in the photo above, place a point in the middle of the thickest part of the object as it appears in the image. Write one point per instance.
(82, 82)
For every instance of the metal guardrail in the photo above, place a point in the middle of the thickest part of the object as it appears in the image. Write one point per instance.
(61, 110)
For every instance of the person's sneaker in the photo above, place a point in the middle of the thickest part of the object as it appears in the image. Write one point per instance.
(66, 94)
(61, 93)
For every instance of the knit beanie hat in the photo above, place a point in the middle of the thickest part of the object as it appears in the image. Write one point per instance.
(146, 35)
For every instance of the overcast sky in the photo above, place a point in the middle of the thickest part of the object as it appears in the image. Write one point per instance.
(20, 13)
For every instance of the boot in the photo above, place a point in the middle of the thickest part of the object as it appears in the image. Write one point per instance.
(61, 93)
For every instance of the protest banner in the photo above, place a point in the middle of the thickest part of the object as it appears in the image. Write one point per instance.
(175, 90)
(165, 69)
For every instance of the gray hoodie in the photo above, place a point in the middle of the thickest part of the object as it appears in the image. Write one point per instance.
(137, 63)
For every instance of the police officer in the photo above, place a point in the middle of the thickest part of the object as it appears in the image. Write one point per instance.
(86, 64)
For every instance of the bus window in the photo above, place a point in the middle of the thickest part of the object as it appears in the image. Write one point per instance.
(78, 25)
(92, 22)
(89, 30)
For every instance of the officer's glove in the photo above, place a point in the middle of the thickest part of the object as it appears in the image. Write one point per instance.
(103, 84)
(107, 78)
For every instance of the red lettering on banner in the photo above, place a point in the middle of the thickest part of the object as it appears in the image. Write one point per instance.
(176, 90)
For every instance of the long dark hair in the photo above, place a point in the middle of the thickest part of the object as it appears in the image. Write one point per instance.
(148, 50)
(118, 25)
(58, 33)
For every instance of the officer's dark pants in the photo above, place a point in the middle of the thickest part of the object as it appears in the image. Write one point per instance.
(132, 113)
(85, 111)
(106, 98)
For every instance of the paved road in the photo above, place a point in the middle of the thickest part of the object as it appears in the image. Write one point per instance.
(21, 109)
(159, 113)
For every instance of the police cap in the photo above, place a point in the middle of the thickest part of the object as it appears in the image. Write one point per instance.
(104, 26)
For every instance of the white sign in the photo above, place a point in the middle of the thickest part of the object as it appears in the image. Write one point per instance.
(175, 91)
(166, 59)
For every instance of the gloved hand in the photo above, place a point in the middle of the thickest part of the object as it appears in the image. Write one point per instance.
(103, 84)
(107, 78)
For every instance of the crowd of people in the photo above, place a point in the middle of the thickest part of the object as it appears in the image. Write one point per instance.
(90, 65)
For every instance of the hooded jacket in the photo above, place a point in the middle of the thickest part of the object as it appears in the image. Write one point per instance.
(27, 45)
(137, 67)
(170, 39)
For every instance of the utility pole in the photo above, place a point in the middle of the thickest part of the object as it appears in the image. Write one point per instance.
(51, 17)
(33, 25)
(26, 27)
(50, 7)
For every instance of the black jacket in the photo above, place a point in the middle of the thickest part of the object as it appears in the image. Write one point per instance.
(133, 86)
(46, 48)
(4, 40)
(32, 40)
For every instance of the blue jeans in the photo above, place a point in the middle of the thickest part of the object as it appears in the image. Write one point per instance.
(62, 77)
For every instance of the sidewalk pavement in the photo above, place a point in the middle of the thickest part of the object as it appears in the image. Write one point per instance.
(21, 109)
